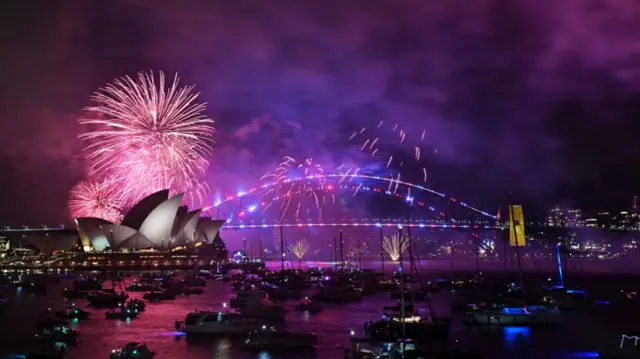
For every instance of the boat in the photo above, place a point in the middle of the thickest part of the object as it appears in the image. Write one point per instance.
(159, 295)
(132, 350)
(141, 287)
(416, 327)
(57, 332)
(367, 348)
(408, 307)
(194, 282)
(526, 315)
(241, 298)
(72, 312)
(71, 293)
(629, 348)
(136, 305)
(106, 298)
(307, 305)
(85, 284)
(199, 322)
(269, 338)
(338, 295)
(123, 313)
(259, 306)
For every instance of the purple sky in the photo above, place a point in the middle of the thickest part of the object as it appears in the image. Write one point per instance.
(535, 97)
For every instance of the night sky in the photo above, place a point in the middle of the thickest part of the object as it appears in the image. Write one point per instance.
(540, 98)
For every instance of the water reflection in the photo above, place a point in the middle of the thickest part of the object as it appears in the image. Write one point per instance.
(513, 336)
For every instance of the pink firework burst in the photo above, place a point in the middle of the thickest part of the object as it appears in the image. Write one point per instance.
(96, 199)
(149, 136)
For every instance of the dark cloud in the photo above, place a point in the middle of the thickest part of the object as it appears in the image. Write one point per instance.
(533, 97)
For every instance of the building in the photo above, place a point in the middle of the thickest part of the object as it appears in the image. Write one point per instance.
(565, 218)
(573, 218)
(555, 217)
(156, 222)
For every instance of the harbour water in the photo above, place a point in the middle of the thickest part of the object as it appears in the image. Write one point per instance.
(579, 335)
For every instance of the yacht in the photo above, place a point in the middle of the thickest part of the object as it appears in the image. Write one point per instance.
(158, 295)
(57, 332)
(241, 299)
(141, 287)
(258, 306)
(106, 298)
(132, 350)
(528, 315)
(417, 326)
(270, 338)
(629, 348)
(217, 323)
(123, 313)
(72, 312)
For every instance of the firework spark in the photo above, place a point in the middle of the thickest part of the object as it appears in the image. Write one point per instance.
(96, 199)
(149, 136)
(395, 245)
(310, 181)
(299, 250)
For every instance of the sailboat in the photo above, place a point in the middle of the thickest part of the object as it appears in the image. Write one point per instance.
(498, 314)
(560, 295)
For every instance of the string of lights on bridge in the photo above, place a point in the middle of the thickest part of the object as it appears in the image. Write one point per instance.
(253, 207)
(408, 198)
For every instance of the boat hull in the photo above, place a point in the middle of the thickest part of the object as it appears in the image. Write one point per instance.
(512, 319)
(219, 328)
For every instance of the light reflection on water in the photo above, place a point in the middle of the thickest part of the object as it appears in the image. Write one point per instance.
(156, 328)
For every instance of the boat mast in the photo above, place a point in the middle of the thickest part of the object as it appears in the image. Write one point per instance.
(381, 250)
(282, 248)
(402, 308)
(341, 252)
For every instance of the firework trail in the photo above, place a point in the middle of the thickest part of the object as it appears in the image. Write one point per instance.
(149, 135)
(311, 183)
(371, 145)
(395, 245)
(97, 200)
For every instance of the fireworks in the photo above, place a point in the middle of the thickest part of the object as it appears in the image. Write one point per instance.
(293, 181)
(149, 136)
(95, 199)
(299, 250)
(371, 144)
(395, 245)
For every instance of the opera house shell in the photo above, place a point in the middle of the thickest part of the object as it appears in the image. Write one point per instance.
(157, 221)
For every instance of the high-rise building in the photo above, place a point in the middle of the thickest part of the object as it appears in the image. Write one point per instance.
(573, 218)
(569, 218)
(555, 217)
(591, 222)
(634, 204)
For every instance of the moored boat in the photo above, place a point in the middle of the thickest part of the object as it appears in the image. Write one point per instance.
(530, 315)
(217, 323)
(270, 338)
(132, 350)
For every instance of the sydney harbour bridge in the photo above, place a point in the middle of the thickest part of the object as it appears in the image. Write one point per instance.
(361, 209)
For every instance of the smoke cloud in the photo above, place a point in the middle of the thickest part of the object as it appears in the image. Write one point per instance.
(530, 97)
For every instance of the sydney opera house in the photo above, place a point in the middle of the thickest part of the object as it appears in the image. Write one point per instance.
(156, 232)
(157, 222)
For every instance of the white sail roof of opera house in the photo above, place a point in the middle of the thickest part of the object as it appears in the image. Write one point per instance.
(156, 221)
